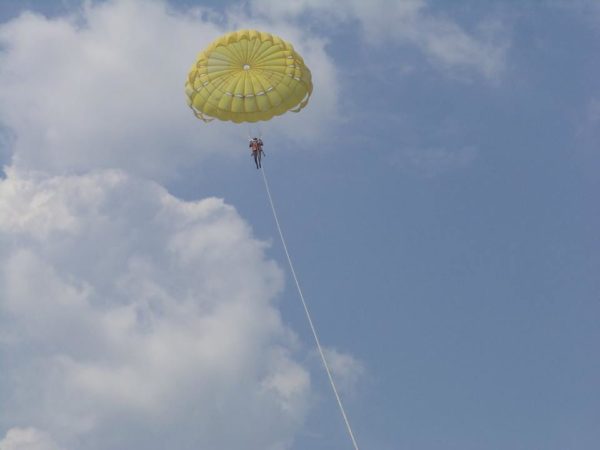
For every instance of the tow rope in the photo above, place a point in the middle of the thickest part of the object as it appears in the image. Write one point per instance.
(310, 322)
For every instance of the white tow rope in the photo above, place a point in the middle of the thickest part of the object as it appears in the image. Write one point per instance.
(310, 322)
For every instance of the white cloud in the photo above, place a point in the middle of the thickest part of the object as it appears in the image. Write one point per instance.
(383, 22)
(104, 88)
(346, 369)
(132, 319)
(27, 439)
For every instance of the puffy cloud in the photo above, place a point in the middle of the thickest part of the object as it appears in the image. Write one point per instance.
(345, 368)
(27, 439)
(103, 88)
(132, 319)
(383, 22)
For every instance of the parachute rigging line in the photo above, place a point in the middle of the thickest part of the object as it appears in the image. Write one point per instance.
(310, 322)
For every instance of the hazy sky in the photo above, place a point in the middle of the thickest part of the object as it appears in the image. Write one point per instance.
(439, 195)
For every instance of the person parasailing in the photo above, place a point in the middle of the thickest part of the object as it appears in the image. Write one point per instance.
(256, 151)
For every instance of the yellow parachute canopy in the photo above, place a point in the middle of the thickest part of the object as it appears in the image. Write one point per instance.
(247, 76)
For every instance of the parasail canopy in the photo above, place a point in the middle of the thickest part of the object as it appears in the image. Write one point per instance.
(247, 76)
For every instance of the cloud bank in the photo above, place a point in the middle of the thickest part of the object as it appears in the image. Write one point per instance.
(135, 319)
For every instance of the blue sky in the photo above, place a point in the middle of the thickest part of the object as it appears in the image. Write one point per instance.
(439, 197)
